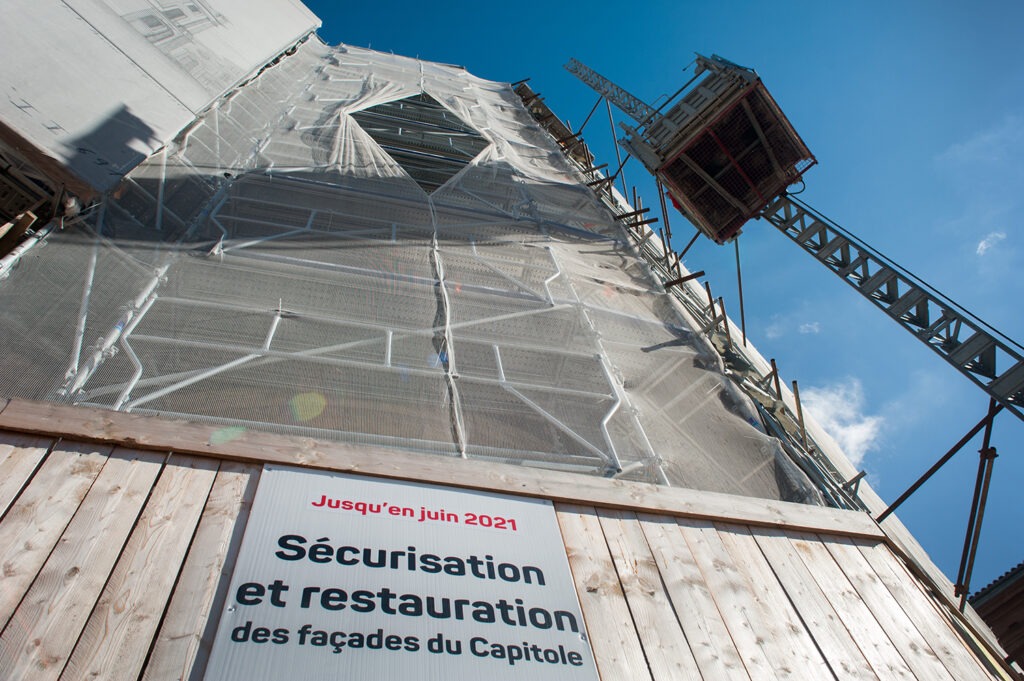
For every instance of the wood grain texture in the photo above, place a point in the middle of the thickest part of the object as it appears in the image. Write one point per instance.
(20, 455)
(844, 657)
(186, 635)
(694, 604)
(37, 519)
(36, 644)
(256, 447)
(788, 645)
(710, 592)
(922, 609)
(898, 626)
(735, 602)
(610, 628)
(858, 619)
(664, 643)
(118, 634)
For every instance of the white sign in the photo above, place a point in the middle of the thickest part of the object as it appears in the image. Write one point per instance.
(348, 577)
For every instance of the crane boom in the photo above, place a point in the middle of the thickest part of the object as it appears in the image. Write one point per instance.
(633, 107)
(726, 153)
(994, 365)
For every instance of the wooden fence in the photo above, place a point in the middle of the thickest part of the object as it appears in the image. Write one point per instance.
(118, 535)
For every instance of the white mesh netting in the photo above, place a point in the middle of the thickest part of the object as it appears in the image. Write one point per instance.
(276, 268)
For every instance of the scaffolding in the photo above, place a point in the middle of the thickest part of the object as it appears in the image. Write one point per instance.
(369, 248)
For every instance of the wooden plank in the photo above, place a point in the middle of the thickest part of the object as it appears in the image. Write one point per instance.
(922, 610)
(11, 232)
(117, 636)
(257, 447)
(913, 647)
(792, 652)
(841, 652)
(664, 643)
(43, 631)
(610, 627)
(906, 546)
(871, 638)
(37, 519)
(183, 644)
(896, 534)
(706, 632)
(736, 602)
(20, 455)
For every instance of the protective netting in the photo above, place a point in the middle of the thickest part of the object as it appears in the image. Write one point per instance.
(275, 268)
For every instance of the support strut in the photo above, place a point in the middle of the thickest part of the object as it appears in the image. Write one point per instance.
(987, 421)
(986, 461)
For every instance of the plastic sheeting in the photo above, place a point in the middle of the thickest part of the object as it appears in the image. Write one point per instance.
(276, 268)
(99, 85)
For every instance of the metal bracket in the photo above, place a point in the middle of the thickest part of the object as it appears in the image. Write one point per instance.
(852, 486)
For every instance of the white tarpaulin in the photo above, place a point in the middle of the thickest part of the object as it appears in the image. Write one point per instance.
(365, 247)
(99, 85)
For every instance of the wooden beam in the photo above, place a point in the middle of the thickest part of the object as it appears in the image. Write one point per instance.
(640, 223)
(779, 173)
(722, 191)
(681, 280)
(251, 446)
(632, 214)
(12, 231)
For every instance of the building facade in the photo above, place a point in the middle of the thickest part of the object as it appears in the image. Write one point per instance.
(388, 269)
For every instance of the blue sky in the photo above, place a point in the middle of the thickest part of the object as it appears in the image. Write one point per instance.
(915, 112)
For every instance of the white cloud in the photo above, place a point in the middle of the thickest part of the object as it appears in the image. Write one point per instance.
(839, 408)
(774, 330)
(996, 144)
(782, 325)
(990, 240)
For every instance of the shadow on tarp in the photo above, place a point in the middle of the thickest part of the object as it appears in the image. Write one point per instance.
(114, 147)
